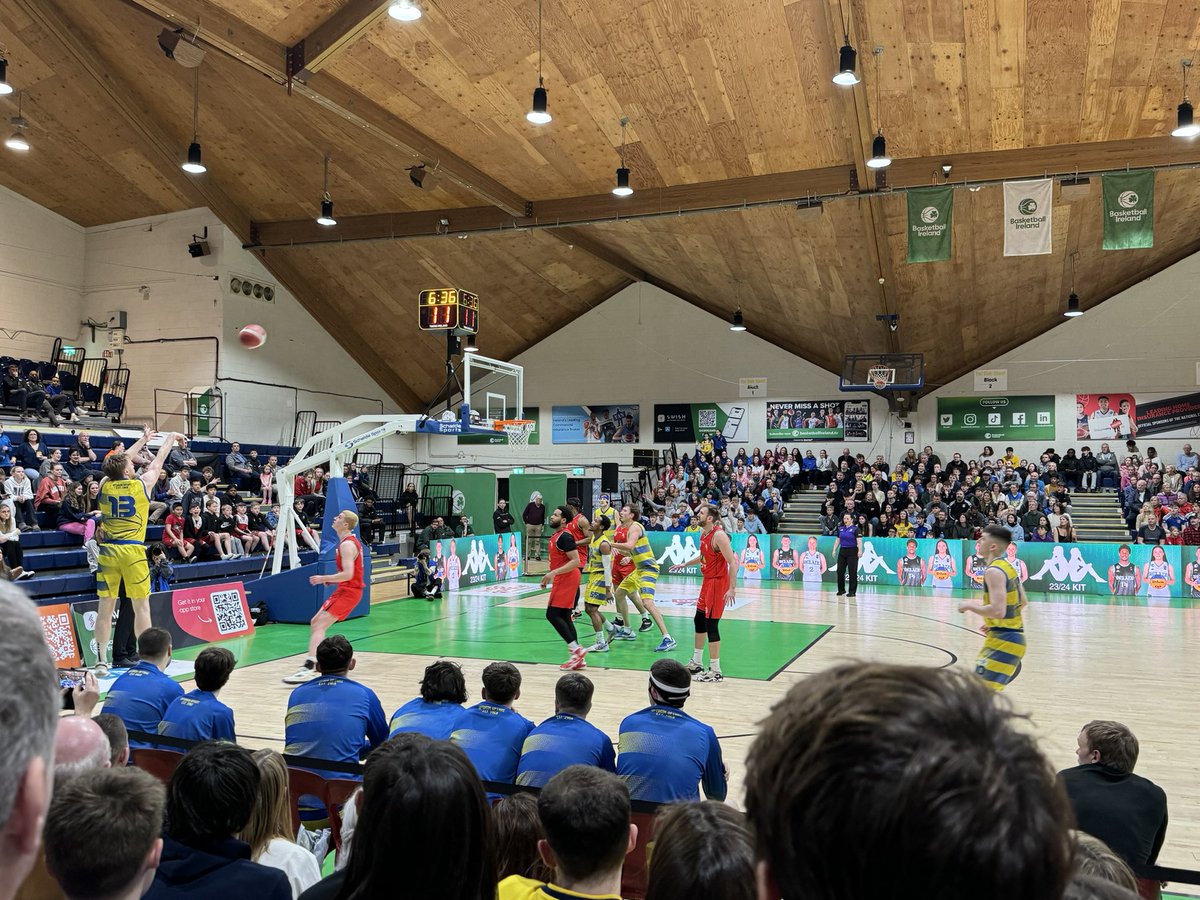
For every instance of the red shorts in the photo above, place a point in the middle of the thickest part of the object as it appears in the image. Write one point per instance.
(564, 588)
(712, 597)
(341, 603)
(620, 573)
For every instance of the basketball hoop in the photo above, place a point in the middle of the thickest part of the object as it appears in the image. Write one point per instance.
(880, 377)
(516, 430)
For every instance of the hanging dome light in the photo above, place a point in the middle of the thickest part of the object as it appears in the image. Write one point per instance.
(879, 158)
(737, 323)
(847, 63)
(404, 11)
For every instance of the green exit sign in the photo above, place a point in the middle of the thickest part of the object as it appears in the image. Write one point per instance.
(519, 470)
(459, 469)
(578, 470)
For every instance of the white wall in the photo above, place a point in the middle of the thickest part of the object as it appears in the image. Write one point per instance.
(41, 277)
(647, 346)
(1145, 341)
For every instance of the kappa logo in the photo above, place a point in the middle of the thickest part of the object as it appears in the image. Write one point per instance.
(1128, 199)
(1027, 207)
(930, 214)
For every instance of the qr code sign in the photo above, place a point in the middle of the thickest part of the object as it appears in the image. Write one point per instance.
(60, 636)
(227, 608)
(708, 419)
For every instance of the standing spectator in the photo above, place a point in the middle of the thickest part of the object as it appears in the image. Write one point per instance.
(438, 712)
(20, 491)
(566, 738)
(269, 828)
(491, 732)
(142, 695)
(1126, 811)
(198, 715)
(695, 756)
(534, 518)
(502, 519)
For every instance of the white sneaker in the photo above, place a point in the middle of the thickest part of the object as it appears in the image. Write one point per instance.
(100, 670)
(710, 677)
(301, 675)
(598, 647)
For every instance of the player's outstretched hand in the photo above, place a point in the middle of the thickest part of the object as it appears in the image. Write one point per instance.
(962, 607)
(315, 580)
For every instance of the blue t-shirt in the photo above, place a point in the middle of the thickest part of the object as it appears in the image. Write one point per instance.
(847, 535)
(436, 719)
(665, 754)
(198, 716)
(335, 718)
(140, 699)
(492, 736)
(563, 740)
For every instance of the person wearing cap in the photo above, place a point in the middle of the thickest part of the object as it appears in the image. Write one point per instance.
(695, 758)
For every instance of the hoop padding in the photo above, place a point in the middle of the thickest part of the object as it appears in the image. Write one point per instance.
(516, 430)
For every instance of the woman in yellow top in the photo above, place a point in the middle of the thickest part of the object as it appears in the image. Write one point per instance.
(1000, 659)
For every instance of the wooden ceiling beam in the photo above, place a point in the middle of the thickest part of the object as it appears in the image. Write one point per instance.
(229, 35)
(317, 48)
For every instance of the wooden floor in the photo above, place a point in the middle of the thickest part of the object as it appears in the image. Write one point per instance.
(1086, 660)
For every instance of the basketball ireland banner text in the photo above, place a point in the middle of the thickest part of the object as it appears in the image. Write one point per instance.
(1128, 210)
(996, 418)
(818, 420)
(689, 422)
(613, 423)
(930, 224)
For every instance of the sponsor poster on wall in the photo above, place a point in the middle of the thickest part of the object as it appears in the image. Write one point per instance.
(480, 559)
(818, 420)
(687, 422)
(529, 412)
(674, 549)
(613, 423)
(1011, 418)
(1105, 417)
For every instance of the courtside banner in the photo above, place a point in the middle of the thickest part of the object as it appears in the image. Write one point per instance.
(479, 559)
(688, 422)
(1028, 207)
(59, 628)
(674, 549)
(1128, 210)
(930, 224)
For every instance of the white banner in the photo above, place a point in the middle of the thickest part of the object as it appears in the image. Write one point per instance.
(1027, 217)
(991, 380)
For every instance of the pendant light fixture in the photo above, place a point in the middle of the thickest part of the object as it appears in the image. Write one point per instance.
(1073, 309)
(879, 155)
(539, 113)
(17, 140)
(326, 217)
(1185, 124)
(847, 58)
(470, 346)
(738, 323)
(622, 188)
(194, 165)
(5, 87)
(404, 11)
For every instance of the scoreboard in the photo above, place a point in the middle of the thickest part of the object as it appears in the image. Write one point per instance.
(449, 309)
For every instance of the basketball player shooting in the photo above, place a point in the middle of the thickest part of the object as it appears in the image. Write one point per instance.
(563, 580)
(718, 566)
(349, 581)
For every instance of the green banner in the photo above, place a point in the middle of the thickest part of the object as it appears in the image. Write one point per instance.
(675, 549)
(996, 418)
(521, 488)
(1128, 210)
(930, 224)
(529, 412)
(474, 496)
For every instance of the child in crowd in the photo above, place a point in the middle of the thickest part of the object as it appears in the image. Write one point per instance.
(161, 571)
(267, 480)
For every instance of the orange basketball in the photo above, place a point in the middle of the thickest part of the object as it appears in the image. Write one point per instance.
(252, 336)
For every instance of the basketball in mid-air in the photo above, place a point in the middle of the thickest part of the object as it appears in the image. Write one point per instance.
(252, 336)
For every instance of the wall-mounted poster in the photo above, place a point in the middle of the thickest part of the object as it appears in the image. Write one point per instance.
(613, 423)
(687, 422)
(1105, 417)
(996, 418)
(818, 420)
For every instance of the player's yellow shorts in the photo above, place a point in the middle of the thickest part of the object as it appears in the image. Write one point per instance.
(999, 661)
(641, 582)
(595, 595)
(123, 562)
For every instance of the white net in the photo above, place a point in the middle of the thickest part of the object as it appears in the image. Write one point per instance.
(518, 433)
(880, 377)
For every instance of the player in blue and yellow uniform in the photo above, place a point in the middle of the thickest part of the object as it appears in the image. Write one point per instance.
(1000, 659)
(566, 738)
(641, 581)
(125, 512)
(492, 733)
(598, 588)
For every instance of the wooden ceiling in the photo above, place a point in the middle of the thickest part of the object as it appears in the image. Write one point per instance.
(731, 108)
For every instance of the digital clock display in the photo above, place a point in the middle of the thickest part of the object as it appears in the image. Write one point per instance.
(449, 309)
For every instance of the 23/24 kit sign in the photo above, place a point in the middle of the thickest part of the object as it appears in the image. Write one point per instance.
(1027, 418)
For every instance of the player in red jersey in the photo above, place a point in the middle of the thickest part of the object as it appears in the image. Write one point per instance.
(563, 580)
(349, 581)
(718, 565)
(580, 529)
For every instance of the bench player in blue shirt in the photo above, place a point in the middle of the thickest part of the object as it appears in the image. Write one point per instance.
(566, 738)
(198, 715)
(664, 754)
(438, 711)
(141, 696)
(492, 732)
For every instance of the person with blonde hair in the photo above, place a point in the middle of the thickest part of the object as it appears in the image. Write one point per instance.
(269, 831)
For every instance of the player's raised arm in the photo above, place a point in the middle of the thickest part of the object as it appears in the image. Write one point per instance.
(140, 443)
(150, 475)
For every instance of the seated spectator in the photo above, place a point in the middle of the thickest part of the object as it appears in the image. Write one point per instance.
(585, 814)
(20, 493)
(701, 850)
(696, 754)
(10, 545)
(844, 769)
(26, 394)
(1089, 887)
(517, 829)
(438, 712)
(73, 516)
(334, 717)
(183, 548)
(162, 574)
(491, 732)
(427, 581)
(306, 535)
(256, 521)
(180, 458)
(269, 828)
(1126, 811)
(436, 530)
(220, 530)
(409, 501)
(463, 528)
(118, 738)
(566, 738)
(50, 493)
(420, 798)
(210, 798)
(126, 807)
(141, 696)
(1095, 858)
(1149, 531)
(1064, 532)
(370, 523)
(238, 469)
(198, 715)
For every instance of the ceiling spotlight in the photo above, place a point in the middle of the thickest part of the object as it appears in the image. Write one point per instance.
(622, 188)
(469, 346)
(194, 165)
(416, 174)
(5, 87)
(879, 158)
(1185, 125)
(539, 113)
(326, 217)
(404, 11)
(737, 323)
(1073, 309)
(947, 168)
(18, 141)
(847, 59)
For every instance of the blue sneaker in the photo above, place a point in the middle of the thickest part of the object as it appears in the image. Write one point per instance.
(668, 643)
(622, 634)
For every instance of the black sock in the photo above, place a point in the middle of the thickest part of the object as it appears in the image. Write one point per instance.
(310, 664)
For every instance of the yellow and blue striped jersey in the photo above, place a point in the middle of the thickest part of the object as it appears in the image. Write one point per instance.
(642, 556)
(595, 560)
(125, 507)
(1012, 601)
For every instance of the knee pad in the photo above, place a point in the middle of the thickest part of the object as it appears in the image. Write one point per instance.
(701, 622)
(714, 630)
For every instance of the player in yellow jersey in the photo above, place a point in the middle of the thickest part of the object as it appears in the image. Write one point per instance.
(124, 508)
(599, 590)
(1000, 659)
(641, 581)
(606, 509)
